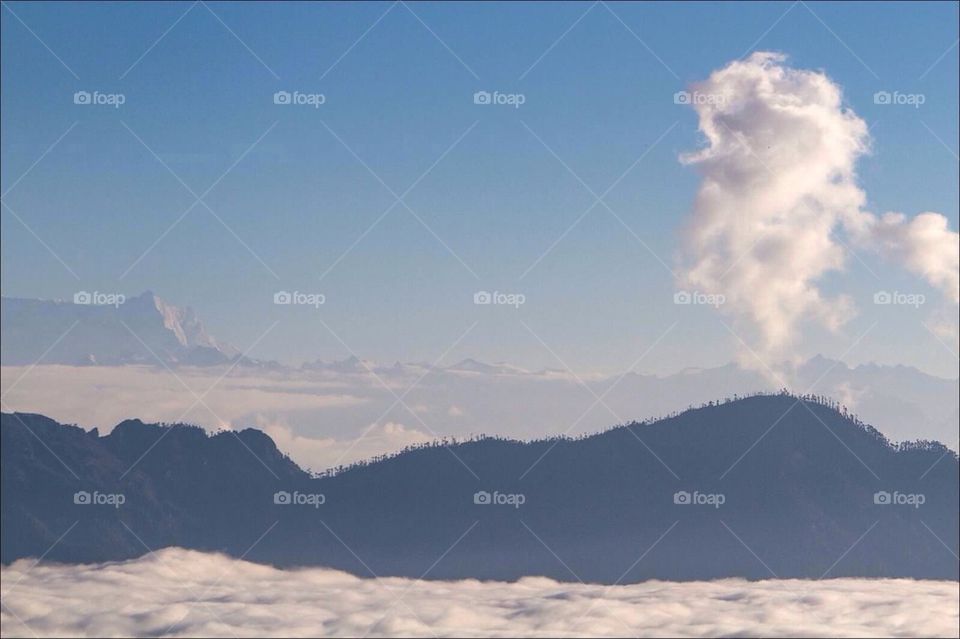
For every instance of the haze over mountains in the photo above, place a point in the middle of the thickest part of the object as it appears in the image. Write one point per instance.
(758, 487)
(107, 368)
(138, 330)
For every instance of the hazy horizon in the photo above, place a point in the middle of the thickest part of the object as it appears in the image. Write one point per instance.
(305, 359)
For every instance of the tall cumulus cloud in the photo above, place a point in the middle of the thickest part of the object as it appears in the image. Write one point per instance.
(779, 206)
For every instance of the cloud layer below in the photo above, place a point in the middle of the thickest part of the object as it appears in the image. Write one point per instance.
(177, 592)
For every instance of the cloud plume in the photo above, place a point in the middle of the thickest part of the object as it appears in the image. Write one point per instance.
(778, 193)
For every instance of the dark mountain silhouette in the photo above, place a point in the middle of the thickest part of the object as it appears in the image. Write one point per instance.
(799, 481)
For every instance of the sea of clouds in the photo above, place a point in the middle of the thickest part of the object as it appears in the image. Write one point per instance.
(180, 593)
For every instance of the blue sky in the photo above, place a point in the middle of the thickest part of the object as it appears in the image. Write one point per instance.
(598, 82)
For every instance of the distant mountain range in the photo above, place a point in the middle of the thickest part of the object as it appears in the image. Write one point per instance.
(904, 402)
(137, 330)
(755, 487)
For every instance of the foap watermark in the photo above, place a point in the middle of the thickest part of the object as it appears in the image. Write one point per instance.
(96, 498)
(696, 498)
(298, 298)
(96, 98)
(296, 498)
(499, 99)
(97, 298)
(896, 498)
(496, 498)
(896, 298)
(496, 298)
(697, 97)
(899, 99)
(699, 298)
(298, 98)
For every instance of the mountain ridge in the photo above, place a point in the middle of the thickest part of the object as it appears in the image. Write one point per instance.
(189, 331)
(137, 330)
(798, 493)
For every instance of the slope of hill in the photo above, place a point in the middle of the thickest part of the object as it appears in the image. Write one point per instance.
(757, 487)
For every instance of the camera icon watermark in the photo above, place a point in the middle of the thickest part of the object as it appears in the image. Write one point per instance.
(95, 98)
(97, 298)
(496, 498)
(297, 298)
(296, 498)
(697, 97)
(516, 100)
(496, 298)
(96, 498)
(698, 298)
(297, 98)
(896, 498)
(916, 100)
(896, 298)
(696, 498)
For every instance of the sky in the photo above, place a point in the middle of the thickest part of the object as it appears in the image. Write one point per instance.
(398, 198)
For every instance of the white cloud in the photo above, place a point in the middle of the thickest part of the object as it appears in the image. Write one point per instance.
(322, 453)
(924, 245)
(177, 592)
(779, 182)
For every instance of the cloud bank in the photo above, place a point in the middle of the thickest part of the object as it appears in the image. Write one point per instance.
(177, 593)
(778, 188)
(321, 453)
